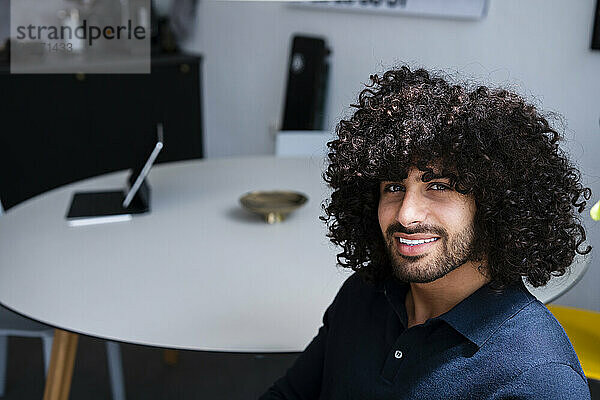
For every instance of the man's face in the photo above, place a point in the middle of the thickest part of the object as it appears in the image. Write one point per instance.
(427, 227)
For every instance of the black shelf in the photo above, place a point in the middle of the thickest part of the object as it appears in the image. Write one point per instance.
(61, 128)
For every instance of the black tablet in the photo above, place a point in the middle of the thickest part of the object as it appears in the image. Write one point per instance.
(89, 208)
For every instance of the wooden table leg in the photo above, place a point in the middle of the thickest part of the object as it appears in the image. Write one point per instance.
(170, 356)
(58, 381)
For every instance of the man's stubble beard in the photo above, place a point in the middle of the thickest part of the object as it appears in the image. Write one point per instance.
(448, 254)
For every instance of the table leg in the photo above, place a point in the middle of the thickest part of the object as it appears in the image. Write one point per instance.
(170, 356)
(58, 380)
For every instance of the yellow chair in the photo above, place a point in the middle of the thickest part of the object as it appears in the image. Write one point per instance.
(583, 329)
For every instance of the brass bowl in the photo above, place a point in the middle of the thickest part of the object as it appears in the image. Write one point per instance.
(275, 205)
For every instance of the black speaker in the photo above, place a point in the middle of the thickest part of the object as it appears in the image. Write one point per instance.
(306, 85)
(596, 33)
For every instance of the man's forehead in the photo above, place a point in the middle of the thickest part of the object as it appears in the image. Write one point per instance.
(429, 172)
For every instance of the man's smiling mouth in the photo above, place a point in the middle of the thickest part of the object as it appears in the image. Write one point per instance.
(415, 247)
(410, 242)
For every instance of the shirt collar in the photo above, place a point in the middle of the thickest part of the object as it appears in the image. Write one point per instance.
(478, 316)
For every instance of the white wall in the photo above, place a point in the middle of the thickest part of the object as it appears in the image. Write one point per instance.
(539, 47)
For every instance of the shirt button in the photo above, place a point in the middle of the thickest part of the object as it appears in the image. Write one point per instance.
(398, 354)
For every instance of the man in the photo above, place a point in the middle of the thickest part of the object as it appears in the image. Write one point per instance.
(444, 198)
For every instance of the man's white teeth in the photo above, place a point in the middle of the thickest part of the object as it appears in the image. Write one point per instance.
(416, 242)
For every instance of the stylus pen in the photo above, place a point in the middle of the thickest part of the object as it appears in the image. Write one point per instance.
(138, 182)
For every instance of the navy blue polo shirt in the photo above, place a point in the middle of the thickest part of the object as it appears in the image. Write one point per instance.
(490, 346)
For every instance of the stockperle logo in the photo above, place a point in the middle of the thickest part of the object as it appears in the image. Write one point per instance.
(57, 36)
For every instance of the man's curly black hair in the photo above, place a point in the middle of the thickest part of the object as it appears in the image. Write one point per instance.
(489, 142)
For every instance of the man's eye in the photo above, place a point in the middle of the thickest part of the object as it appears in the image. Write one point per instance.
(393, 188)
(439, 186)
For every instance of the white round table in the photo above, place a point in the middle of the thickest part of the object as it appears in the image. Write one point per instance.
(198, 272)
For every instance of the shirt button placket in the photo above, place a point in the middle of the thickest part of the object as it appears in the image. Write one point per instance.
(396, 357)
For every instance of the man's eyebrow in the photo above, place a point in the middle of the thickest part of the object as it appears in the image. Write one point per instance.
(417, 179)
(434, 176)
(431, 176)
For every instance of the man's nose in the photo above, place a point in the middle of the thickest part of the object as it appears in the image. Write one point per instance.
(412, 210)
